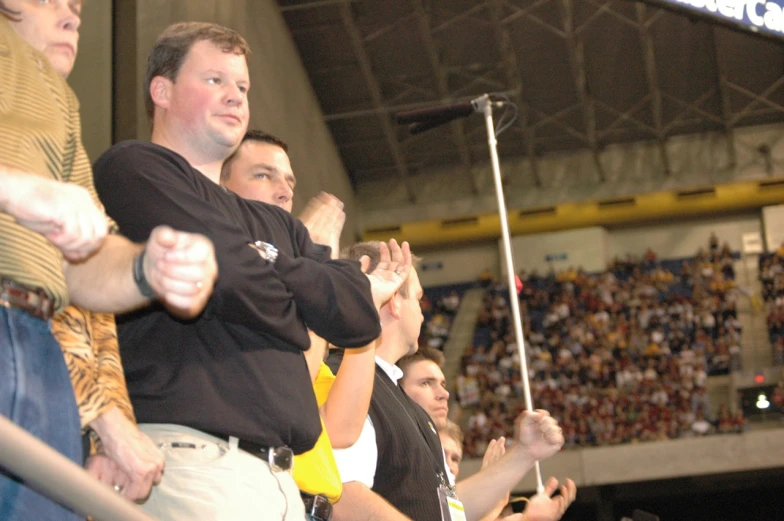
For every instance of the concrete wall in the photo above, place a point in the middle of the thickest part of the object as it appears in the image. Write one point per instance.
(773, 222)
(585, 247)
(682, 239)
(458, 264)
(589, 247)
(91, 78)
(631, 168)
(658, 460)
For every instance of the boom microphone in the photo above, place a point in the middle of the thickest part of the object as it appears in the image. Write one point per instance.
(442, 114)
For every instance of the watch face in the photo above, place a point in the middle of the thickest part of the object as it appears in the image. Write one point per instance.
(266, 250)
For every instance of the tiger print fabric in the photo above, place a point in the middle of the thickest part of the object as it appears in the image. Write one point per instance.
(92, 354)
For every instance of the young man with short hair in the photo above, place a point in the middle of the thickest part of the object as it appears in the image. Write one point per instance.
(260, 170)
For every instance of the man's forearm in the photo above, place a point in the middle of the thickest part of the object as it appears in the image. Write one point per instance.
(485, 489)
(359, 503)
(315, 355)
(104, 282)
(349, 399)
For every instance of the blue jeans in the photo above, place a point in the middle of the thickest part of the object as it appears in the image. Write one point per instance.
(36, 394)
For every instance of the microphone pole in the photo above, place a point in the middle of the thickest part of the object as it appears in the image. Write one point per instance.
(485, 106)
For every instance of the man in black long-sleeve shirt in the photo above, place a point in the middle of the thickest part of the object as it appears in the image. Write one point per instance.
(236, 376)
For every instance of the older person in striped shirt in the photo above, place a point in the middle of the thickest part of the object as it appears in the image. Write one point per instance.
(54, 247)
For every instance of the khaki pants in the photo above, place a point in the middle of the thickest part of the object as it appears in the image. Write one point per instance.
(209, 479)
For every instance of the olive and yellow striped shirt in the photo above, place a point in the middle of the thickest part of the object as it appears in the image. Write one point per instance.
(40, 134)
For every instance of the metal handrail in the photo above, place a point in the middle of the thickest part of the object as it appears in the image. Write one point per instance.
(58, 478)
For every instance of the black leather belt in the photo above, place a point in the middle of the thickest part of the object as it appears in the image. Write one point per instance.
(34, 301)
(318, 507)
(279, 458)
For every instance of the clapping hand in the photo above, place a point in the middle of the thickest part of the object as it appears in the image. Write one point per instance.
(324, 218)
(390, 273)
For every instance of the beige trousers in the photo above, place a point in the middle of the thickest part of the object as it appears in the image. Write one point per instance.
(209, 479)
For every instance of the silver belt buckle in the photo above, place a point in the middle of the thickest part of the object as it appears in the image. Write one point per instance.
(280, 459)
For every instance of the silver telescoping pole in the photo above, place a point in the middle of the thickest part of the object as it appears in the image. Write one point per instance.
(485, 106)
(60, 479)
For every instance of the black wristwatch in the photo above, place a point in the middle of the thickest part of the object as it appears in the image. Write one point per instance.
(138, 276)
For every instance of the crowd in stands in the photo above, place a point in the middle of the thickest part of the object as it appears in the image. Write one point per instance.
(619, 356)
(771, 273)
(438, 317)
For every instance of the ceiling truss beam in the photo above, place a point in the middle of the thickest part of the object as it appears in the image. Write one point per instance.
(515, 82)
(756, 98)
(440, 75)
(652, 77)
(468, 13)
(691, 106)
(313, 5)
(577, 60)
(357, 44)
(726, 103)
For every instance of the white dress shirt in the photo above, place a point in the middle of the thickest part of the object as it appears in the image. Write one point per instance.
(359, 462)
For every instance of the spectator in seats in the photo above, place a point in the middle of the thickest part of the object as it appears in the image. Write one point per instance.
(625, 331)
(486, 278)
(231, 427)
(777, 397)
(398, 456)
(778, 352)
(724, 423)
(739, 421)
(649, 258)
(451, 302)
(57, 252)
(713, 243)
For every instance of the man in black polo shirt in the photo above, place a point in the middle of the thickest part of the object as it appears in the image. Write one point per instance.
(398, 460)
(233, 382)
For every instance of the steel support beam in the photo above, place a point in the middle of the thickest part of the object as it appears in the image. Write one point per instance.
(726, 104)
(691, 106)
(313, 5)
(756, 98)
(377, 97)
(468, 13)
(577, 61)
(515, 81)
(652, 76)
(440, 75)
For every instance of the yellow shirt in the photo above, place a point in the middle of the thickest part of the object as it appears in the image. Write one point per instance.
(316, 471)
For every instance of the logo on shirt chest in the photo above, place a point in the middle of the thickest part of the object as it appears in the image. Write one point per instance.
(266, 250)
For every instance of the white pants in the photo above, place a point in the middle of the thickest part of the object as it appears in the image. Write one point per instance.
(209, 479)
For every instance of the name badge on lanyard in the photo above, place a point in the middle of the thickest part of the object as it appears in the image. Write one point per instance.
(451, 507)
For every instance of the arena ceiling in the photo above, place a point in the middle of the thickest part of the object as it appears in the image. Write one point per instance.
(584, 73)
